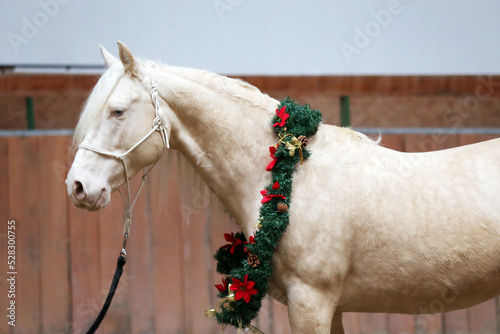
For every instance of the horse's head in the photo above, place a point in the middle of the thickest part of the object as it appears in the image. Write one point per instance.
(118, 114)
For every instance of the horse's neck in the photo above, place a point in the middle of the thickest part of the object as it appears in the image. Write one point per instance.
(223, 129)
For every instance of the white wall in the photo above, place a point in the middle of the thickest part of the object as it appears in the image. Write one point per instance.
(261, 36)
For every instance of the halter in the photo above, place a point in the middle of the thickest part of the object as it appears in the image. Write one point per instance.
(159, 124)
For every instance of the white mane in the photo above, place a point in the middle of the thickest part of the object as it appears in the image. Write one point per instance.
(235, 88)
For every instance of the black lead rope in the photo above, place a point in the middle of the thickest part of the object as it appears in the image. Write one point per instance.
(122, 259)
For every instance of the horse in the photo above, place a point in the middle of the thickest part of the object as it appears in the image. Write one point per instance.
(371, 229)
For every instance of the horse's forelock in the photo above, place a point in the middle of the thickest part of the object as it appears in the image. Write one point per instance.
(96, 101)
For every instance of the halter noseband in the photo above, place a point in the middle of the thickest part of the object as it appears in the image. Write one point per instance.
(159, 124)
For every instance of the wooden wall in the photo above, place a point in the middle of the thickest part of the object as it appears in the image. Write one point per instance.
(414, 101)
(66, 256)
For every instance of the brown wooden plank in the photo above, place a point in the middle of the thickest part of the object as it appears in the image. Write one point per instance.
(31, 84)
(54, 236)
(23, 190)
(395, 85)
(203, 227)
(23, 206)
(400, 324)
(497, 309)
(198, 275)
(218, 225)
(483, 317)
(373, 323)
(432, 142)
(456, 322)
(466, 139)
(110, 243)
(168, 248)
(280, 318)
(4, 182)
(418, 85)
(351, 322)
(85, 267)
(265, 320)
(394, 142)
(140, 273)
(5, 217)
(429, 323)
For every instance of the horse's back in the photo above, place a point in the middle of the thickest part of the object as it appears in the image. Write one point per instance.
(411, 225)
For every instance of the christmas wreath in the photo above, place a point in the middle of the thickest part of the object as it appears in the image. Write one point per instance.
(246, 264)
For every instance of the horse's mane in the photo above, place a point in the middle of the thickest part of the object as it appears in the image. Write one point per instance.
(234, 88)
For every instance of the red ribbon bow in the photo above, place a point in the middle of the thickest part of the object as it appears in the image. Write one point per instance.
(251, 241)
(222, 287)
(233, 242)
(267, 196)
(283, 115)
(272, 150)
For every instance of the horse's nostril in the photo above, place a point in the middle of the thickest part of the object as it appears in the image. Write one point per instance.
(79, 191)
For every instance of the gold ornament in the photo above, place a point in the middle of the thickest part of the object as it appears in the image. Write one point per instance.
(222, 303)
(292, 145)
(258, 225)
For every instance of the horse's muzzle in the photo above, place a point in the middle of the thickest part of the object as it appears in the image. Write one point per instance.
(85, 196)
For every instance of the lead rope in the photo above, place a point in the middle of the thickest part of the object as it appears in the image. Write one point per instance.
(122, 258)
(159, 124)
(116, 278)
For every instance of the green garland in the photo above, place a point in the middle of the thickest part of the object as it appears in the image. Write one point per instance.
(247, 264)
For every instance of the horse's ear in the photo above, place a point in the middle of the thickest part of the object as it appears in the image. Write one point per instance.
(108, 57)
(126, 57)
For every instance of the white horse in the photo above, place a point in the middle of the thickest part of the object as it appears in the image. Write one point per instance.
(371, 229)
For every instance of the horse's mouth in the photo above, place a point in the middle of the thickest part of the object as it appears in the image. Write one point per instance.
(100, 203)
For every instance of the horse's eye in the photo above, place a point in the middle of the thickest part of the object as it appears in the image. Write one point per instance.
(117, 113)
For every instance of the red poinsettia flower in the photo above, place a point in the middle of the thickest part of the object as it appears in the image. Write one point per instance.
(276, 185)
(251, 240)
(272, 150)
(233, 242)
(222, 287)
(268, 197)
(243, 289)
(283, 115)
